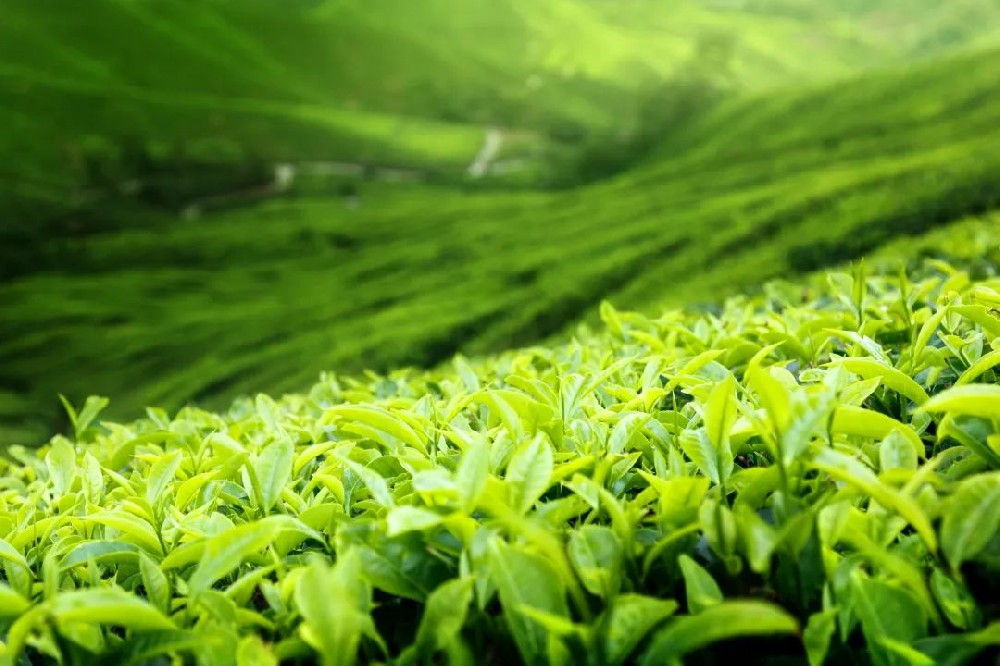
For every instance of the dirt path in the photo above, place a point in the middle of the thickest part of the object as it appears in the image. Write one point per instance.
(492, 143)
(286, 173)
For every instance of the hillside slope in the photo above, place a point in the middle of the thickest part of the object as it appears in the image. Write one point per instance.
(264, 299)
(91, 94)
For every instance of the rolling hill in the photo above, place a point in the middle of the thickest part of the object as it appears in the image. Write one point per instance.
(266, 298)
(96, 95)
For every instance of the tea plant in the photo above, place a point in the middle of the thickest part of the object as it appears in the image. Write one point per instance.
(808, 476)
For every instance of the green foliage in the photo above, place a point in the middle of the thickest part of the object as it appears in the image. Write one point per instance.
(800, 475)
(389, 80)
(172, 312)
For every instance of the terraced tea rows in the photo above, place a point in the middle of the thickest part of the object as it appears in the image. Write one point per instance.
(266, 298)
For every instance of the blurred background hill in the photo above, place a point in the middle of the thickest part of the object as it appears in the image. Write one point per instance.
(206, 199)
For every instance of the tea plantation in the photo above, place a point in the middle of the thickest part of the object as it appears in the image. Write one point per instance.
(809, 475)
(570, 332)
(264, 298)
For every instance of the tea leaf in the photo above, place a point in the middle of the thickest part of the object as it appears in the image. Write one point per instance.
(849, 470)
(980, 400)
(971, 519)
(955, 601)
(818, 634)
(379, 419)
(630, 618)
(900, 652)
(623, 432)
(720, 415)
(700, 588)
(331, 601)
(985, 363)
(274, 469)
(886, 612)
(160, 475)
(896, 452)
(131, 526)
(759, 538)
(958, 649)
(410, 519)
(225, 552)
(156, 584)
(444, 616)
(252, 651)
(101, 552)
(61, 463)
(12, 604)
(472, 473)
(526, 579)
(857, 421)
(730, 619)
(107, 606)
(373, 481)
(597, 555)
(898, 381)
(698, 447)
(529, 472)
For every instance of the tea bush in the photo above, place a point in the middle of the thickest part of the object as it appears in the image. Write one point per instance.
(811, 475)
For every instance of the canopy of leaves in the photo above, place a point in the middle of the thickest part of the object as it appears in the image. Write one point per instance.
(814, 472)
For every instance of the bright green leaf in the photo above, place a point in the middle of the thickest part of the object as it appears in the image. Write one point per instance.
(700, 588)
(730, 619)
